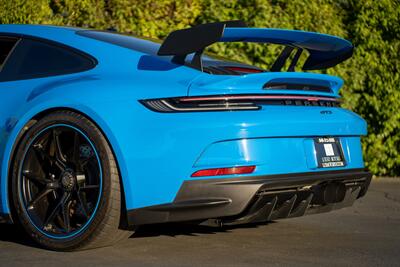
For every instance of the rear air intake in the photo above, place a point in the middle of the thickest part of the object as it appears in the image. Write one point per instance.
(235, 102)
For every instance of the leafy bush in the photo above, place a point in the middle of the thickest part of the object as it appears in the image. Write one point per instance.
(372, 76)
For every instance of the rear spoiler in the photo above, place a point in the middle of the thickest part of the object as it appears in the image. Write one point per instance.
(324, 50)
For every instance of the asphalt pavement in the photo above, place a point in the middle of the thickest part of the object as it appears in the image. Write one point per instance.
(367, 234)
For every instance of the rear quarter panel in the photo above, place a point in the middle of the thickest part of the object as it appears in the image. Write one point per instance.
(157, 152)
(108, 99)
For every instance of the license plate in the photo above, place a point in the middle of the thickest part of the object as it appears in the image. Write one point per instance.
(329, 152)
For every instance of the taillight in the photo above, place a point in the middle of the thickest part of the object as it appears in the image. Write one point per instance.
(225, 171)
(234, 102)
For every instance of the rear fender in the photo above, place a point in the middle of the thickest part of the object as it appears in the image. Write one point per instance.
(13, 138)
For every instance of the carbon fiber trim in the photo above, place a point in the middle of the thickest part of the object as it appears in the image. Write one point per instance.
(255, 199)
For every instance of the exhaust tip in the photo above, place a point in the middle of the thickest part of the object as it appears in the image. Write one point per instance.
(330, 193)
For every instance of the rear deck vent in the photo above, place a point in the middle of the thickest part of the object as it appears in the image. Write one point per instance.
(299, 84)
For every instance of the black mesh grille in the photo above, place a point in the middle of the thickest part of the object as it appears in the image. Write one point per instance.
(300, 84)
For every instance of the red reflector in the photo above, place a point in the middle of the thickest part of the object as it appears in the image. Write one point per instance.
(225, 171)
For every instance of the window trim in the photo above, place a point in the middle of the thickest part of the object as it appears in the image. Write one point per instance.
(17, 40)
(93, 61)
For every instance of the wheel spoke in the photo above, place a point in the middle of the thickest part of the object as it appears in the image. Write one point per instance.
(44, 193)
(83, 205)
(85, 162)
(58, 155)
(61, 165)
(56, 209)
(44, 160)
(65, 216)
(34, 177)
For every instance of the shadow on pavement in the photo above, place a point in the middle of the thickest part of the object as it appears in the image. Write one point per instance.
(177, 229)
(15, 234)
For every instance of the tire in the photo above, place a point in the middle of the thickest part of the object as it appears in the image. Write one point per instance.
(81, 206)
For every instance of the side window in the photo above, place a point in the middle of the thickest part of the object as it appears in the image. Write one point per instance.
(6, 46)
(35, 59)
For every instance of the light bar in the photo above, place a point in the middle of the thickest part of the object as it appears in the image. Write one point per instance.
(259, 97)
(224, 171)
(235, 102)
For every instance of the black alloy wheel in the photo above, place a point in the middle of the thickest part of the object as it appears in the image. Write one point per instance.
(66, 187)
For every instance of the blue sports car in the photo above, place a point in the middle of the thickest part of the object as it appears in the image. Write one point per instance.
(102, 132)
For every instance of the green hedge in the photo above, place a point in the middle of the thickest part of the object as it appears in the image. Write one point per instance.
(372, 86)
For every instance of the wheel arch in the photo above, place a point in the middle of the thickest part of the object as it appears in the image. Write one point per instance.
(28, 120)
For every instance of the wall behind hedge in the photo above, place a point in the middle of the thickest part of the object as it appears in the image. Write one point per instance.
(372, 86)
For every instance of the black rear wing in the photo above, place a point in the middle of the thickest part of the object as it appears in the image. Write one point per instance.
(324, 50)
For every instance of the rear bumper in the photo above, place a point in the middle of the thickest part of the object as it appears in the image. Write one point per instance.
(255, 199)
